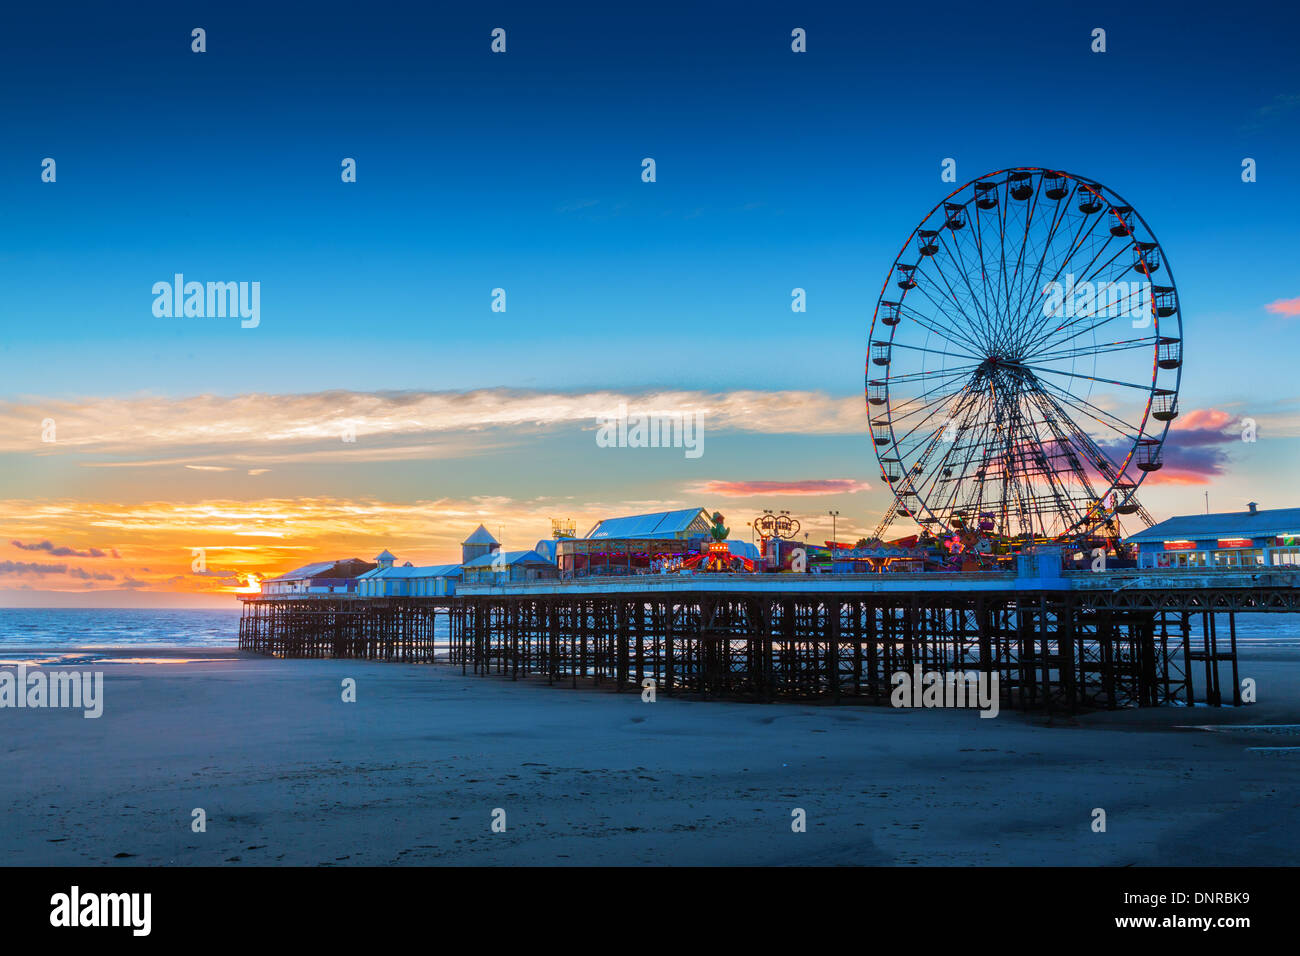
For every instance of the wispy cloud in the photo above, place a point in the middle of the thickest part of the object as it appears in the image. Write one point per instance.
(1271, 112)
(577, 204)
(206, 432)
(1284, 306)
(805, 487)
(20, 568)
(60, 551)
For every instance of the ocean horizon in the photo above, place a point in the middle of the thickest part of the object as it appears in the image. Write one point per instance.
(219, 627)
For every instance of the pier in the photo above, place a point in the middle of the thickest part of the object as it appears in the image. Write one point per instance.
(1080, 641)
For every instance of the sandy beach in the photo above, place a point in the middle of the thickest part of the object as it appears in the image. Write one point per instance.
(287, 773)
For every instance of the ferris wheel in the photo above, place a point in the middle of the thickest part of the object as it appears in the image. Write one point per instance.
(1024, 359)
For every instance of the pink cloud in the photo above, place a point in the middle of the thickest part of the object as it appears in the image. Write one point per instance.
(1285, 306)
(805, 487)
(1195, 451)
(1202, 418)
(1180, 476)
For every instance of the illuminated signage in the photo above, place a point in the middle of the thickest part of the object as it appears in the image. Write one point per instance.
(1236, 543)
(1287, 540)
(1180, 545)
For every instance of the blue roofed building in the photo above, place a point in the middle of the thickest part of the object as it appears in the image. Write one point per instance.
(659, 526)
(438, 580)
(641, 544)
(549, 548)
(1235, 539)
(509, 567)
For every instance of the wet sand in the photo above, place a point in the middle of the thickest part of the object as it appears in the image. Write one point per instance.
(411, 773)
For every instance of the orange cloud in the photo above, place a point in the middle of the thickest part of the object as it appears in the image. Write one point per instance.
(1285, 306)
(215, 547)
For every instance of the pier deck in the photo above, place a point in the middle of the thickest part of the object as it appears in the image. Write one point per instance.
(1109, 639)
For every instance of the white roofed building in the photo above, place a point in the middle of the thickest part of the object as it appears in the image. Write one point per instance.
(437, 580)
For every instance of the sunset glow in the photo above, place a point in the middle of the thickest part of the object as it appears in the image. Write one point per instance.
(219, 532)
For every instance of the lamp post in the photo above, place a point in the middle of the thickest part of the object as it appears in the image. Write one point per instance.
(834, 515)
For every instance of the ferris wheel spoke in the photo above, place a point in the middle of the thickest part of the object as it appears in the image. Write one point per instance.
(1030, 249)
(921, 319)
(1042, 253)
(1126, 345)
(1019, 274)
(1091, 378)
(1045, 319)
(1050, 335)
(1004, 303)
(920, 348)
(960, 259)
(977, 238)
(1061, 260)
(1122, 427)
(910, 408)
(930, 482)
(914, 480)
(1033, 315)
(1105, 467)
(1039, 464)
(909, 377)
(940, 306)
(1065, 501)
(1051, 341)
(919, 426)
(968, 334)
(1004, 204)
(907, 406)
(974, 445)
(914, 449)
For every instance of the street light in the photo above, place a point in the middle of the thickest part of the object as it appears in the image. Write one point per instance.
(834, 515)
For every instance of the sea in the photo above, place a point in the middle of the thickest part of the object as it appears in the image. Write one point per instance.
(56, 628)
(117, 627)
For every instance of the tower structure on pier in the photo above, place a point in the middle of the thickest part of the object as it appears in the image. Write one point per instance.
(479, 543)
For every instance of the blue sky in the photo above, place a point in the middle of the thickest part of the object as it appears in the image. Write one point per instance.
(522, 171)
